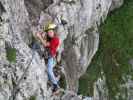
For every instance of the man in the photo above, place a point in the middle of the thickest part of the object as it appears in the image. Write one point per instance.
(52, 45)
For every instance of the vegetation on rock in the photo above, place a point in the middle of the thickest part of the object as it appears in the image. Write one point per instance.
(115, 51)
(11, 54)
(32, 97)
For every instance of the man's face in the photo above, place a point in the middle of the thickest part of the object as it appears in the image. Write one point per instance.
(51, 33)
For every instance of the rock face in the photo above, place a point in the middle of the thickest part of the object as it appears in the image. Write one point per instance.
(29, 72)
(116, 4)
(27, 78)
(100, 89)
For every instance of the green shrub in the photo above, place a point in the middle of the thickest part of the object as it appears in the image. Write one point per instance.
(11, 54)
(32, 97)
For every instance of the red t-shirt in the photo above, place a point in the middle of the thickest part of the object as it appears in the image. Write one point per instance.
(54, 43)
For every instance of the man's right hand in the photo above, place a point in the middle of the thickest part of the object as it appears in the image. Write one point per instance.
(38, 35)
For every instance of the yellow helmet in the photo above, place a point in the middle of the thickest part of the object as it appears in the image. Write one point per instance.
(50, 26)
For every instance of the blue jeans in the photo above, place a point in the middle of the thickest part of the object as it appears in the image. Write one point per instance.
(51, 64)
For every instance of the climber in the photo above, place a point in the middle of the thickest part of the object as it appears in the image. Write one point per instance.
(52, 44)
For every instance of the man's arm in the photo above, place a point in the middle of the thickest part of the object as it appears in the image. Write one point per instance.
(43, 41)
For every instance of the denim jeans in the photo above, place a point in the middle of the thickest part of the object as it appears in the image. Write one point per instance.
(51, 64)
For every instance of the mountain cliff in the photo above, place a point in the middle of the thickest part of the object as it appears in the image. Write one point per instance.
(23, 72)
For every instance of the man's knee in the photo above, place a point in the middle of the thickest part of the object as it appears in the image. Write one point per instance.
(50, 63)
(50, 69)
